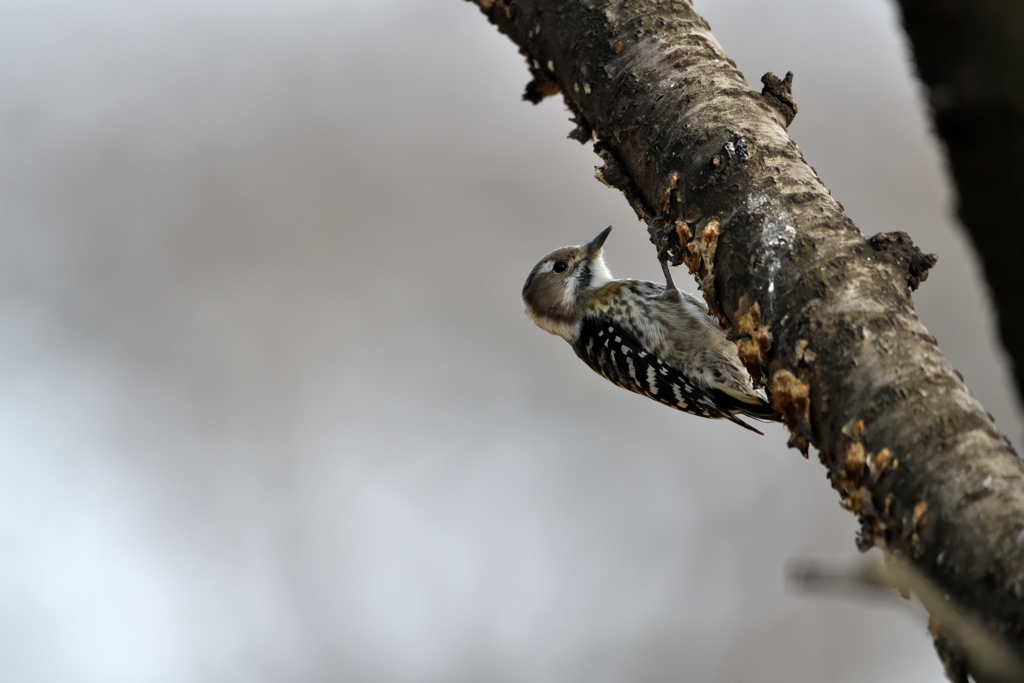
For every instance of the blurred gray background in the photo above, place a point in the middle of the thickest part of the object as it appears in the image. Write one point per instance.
(269, 406)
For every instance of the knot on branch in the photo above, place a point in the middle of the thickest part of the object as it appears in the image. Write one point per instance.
(582, 132)
(542, 84)
(735, 151)
(901, 250)
(778, 93)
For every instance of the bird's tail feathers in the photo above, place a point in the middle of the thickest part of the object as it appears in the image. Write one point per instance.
(758, 408)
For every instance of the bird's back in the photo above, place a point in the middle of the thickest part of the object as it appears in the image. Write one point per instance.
(667, 348)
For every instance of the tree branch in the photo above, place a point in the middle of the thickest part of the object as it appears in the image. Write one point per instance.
(971, 56)
(821, 312)
(976, 648)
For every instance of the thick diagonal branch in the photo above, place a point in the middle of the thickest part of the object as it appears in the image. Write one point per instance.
(824, 314)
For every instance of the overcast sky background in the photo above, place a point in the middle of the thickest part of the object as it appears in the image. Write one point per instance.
(269, 406)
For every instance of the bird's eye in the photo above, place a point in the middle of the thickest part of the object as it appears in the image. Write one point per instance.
(560, 266)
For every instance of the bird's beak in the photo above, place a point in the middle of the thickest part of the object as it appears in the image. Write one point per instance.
(594, 246)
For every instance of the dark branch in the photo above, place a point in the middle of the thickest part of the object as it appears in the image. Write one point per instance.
(821, 312)
(971, 56)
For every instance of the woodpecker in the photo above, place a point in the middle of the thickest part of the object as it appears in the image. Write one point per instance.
(649, 338)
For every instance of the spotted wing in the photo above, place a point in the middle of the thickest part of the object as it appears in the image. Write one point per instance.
(616, 355)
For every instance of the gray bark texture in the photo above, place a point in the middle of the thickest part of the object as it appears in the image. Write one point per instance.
(820, 312)
(970, 54)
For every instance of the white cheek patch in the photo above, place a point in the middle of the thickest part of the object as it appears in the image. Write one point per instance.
(546, 267)
(572, 288)
(599, 273)
(569, 296)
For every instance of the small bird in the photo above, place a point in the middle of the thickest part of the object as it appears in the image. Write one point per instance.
(646, 337)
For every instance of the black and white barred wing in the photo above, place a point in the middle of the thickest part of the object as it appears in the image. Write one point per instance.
(616, 355)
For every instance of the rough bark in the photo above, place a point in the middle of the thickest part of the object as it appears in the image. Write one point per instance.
(970, 54)
(821, 312)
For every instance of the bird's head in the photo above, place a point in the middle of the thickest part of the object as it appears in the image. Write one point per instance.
(557, 291)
